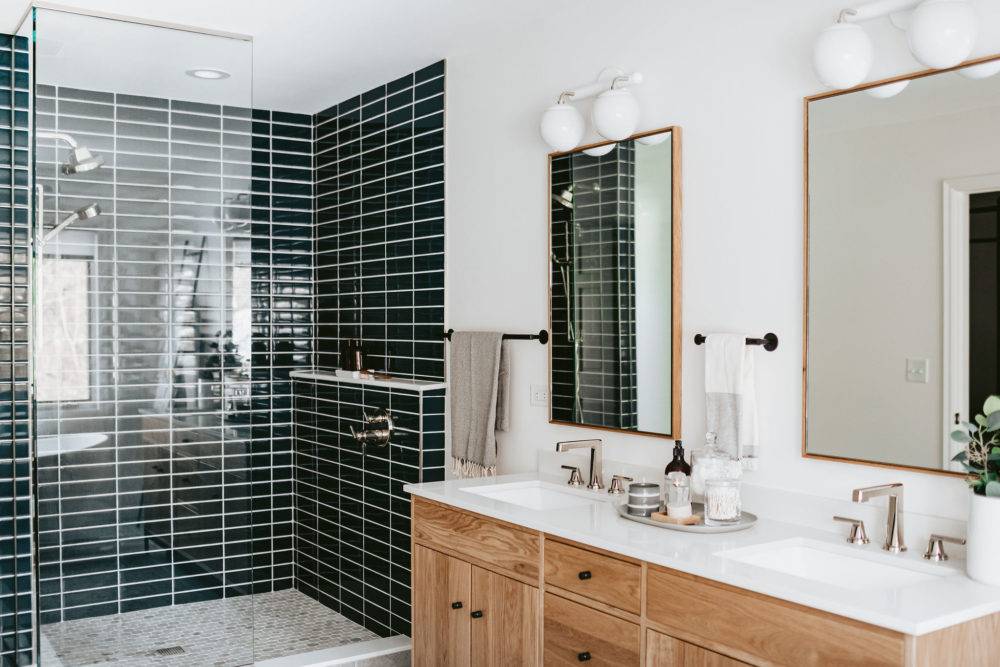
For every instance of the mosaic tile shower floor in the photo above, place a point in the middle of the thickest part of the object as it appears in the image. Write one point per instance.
(216, 633)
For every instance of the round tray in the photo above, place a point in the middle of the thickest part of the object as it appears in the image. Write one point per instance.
(746, 520)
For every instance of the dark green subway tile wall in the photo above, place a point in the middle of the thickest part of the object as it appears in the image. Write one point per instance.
(379, 262)
(379, 162)
(15, 407)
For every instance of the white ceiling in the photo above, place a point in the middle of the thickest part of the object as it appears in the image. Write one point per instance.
(308, 54)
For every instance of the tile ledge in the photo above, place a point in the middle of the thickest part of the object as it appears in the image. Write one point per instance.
(394, 383)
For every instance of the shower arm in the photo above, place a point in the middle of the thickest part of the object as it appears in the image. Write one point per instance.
(59, 136)
(73, 217)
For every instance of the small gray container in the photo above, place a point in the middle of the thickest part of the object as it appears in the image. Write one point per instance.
(643, 498)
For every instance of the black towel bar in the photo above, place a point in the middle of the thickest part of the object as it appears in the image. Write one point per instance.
(769, 341)
(542, 336)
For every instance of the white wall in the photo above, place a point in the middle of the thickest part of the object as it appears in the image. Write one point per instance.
(732, 75)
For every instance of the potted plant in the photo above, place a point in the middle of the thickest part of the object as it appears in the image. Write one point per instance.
(981, 460)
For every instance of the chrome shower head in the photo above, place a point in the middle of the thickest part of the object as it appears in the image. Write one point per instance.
(83, 213)
(87, 212)
(81, 160)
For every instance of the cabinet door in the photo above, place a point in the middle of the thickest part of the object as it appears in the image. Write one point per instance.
(507, 631)
(665, 651)
(441, 607)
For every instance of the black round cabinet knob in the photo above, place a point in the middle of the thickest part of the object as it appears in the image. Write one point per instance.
(583, 657)
(476, 614)
(585, 575)
(456, 605)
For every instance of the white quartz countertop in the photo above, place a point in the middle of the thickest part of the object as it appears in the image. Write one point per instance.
(915, 609)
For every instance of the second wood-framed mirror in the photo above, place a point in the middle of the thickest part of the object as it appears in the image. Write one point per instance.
(902, 271)
(615, 285)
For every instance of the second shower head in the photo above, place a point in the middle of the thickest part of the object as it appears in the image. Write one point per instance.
(83, 213)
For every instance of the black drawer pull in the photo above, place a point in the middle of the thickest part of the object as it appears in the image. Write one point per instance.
(583, 657)
(456, 605)
(476, 614)
(583, 577)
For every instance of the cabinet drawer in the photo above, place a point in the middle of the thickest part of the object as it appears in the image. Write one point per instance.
(575, 633)
(762, 629)
(478, 537)
(665, 651)
(596, 576)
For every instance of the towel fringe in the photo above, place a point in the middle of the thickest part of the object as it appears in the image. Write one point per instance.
(465, 468)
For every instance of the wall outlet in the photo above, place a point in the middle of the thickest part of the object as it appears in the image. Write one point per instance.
(539, 395)
(916, 371)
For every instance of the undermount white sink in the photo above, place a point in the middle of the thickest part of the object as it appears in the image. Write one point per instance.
(532, 494)
(844, 566)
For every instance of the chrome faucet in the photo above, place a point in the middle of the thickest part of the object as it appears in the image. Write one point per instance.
(596, 459)
(894, 519)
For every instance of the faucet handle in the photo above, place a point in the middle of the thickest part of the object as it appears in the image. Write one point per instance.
(858, 533)
(575, 478)
(935, 546)
(617, 487)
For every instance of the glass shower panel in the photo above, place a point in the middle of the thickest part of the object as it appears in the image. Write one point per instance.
(146, 542)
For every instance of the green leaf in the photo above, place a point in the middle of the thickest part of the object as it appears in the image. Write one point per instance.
(991, 405)
(993, 489)
(960, 435)
(993, 421)
(961, 456)
(994, 455)
(981, 420)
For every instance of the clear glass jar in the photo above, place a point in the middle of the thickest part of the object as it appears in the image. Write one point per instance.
(711, 462)
(678, 490)
(722, 502)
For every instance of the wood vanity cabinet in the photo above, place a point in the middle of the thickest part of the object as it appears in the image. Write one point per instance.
(468, 615)
(487, 592)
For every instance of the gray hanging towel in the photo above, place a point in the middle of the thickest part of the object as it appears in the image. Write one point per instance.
(479, 388)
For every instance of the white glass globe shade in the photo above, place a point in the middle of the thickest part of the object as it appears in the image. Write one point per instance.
(942, 32)
(615, 114)
(981, 71)
(888, 90)
(598, 151)
(842, 56)
(562, 127)
(654, 139)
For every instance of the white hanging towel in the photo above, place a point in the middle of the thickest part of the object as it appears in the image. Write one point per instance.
(731, 396)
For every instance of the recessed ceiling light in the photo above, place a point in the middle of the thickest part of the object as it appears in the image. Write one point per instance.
(208, 73)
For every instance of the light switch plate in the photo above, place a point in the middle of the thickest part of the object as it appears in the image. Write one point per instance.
(539, 395)
(916, 370)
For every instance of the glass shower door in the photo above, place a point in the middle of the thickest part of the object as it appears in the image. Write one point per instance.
(146, 548)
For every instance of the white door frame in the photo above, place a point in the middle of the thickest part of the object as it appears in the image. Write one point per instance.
(955, 358)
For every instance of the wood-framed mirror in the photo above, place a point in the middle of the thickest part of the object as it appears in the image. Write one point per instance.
(901, 315)
(615, 285)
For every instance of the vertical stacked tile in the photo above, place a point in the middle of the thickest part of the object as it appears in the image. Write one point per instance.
(188, 495)
(379, 258)
(380, 225)
(628, 405)
(593, 331)
(352, 516)
(282, 232)
(15, 408)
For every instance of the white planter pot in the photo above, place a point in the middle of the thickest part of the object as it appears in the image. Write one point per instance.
(983, 548)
